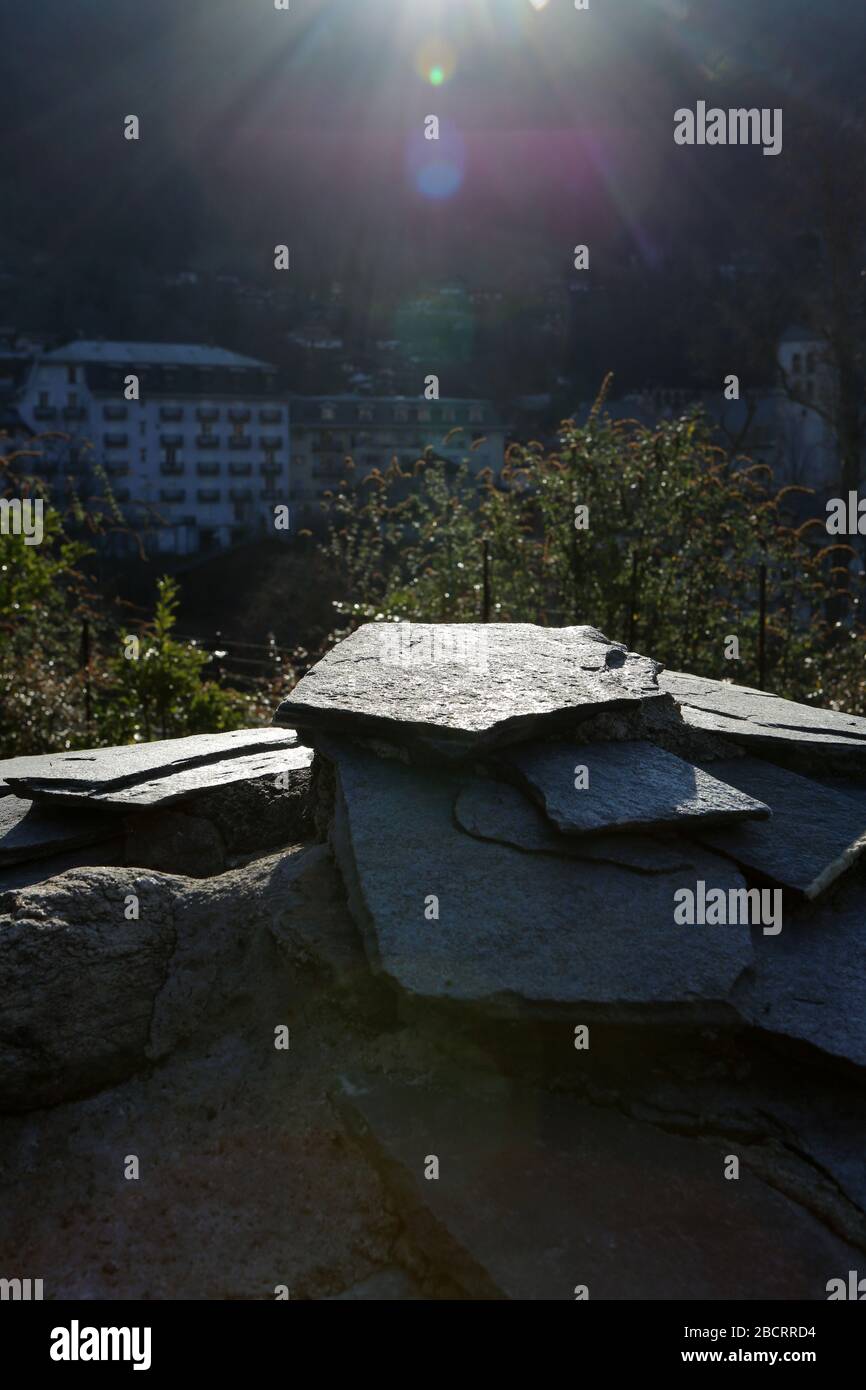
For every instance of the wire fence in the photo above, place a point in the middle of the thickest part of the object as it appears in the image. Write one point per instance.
(244, 663)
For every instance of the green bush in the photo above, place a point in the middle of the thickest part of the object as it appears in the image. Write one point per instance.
(670, 562)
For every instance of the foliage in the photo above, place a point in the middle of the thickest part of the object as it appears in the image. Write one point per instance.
(156, 687)
(64, 679)
(670, 562)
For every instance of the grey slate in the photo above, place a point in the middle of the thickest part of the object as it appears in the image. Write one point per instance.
(790, 732)
(135, 772)
(492, 810)
(632, 785)
(815, 833)
(517, 930)
(210, 777)
(810, 981)
(29, 832)
(538, 1193)
(533, 679)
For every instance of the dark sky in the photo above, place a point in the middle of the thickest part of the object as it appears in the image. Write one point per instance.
(260, 126)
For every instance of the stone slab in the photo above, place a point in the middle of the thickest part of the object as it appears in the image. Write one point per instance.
(633, 785)
(538, 1193)
(100, 771)
(809, 982)
(211, 777)
(492, 810)
(815, 833)
(517, 932)
(513, 681)
(29, 831)
(797, 734)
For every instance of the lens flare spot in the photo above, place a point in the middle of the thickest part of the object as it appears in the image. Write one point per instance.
(435, 61)
(436, 167)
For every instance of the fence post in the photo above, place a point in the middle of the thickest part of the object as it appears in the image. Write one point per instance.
(85, 664)
(485, 570)
(762, 626)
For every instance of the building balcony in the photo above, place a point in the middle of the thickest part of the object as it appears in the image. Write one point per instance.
(207, 441)
(172, 494)
(271, 441)
(171, 412)
(207, 470)
(115, 441)
(241, 494)
(207, 413)
(240, 470)
(74, 412)
(270, 467)
(240, 416)
(171, 441)
(114, 412)
(45, 412)
(240, 441)
(209, 494)
(117, 470)
(170, 470)
(270, 417)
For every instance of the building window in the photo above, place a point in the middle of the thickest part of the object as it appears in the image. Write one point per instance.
(71, 375)
(72, 400)
(810, 362)
(327, 412)
(43, 400)
(797, 364)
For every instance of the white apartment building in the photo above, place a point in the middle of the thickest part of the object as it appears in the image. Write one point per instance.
(374, 429)
(199, 460)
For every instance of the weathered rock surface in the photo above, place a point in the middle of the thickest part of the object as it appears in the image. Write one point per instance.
(516, 931)
(520, 680)
(492, 810)
(538, 1194)
(78, 982)
(89, 996)
(783, 730)
(815, 833)
(28, 831)
(631, 786)
(174, 843)
(246, 1182)
(810, 981)
(162, 770)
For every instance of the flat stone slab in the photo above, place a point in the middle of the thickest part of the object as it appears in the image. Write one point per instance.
(815, 833)
(29, 832)
(810, 981)
(453, 689)
(515, 931)
(492, 810)
(538, 1194)
(148, 773)
(767, 724)
(210, 777)
(630, 786)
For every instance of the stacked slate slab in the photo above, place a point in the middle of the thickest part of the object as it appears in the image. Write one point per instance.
(516, 837)
(184, 805)
(487, 964)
